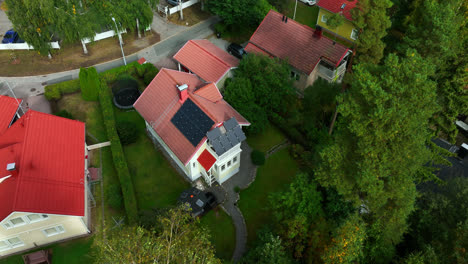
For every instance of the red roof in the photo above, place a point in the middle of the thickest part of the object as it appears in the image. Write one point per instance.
(49, 156)
(334, 6)
(160, 102)
(205, 59)
(8, 108)
(142, 61)
(294, 42)
(206, 160)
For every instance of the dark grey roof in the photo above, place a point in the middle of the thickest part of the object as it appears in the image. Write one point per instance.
(192, 122)
(223, 142)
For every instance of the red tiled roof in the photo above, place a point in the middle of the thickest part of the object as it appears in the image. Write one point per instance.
(210, 92)
(49, 156)
(294, 42)
(142, 61)
(334, 6)
(8, 108)
(205, 59)
(160, 102)
(206, 160)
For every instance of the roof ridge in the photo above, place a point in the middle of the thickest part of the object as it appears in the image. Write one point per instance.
(205, 87)
(25, 121)
(209, 53)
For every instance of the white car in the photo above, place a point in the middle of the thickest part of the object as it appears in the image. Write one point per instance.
(309, 2)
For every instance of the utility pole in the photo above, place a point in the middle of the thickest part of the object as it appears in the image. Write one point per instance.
(180, 8)
(120, 41)
(295, 7)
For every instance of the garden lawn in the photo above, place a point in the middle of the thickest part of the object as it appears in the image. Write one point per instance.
(279, 170)
(73, 252)
(264, 141)
(305, 14)
(223, 234)
(156, 183)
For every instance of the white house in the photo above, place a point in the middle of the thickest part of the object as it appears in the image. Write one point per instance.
(43, 187)
(200, 131)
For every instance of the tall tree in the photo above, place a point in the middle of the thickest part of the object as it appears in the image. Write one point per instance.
(370, 16)
(240, 13)
(380, 147)
(179, 240)
(438, 30)
(269, 250)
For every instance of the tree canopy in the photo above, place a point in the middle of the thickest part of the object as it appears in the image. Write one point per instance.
(240, 13)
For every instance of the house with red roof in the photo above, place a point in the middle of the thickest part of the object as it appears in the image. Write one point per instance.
(10, 109)
(347, 31)
(43, 185)
(207, 61)
(196, 128)
(310, 54)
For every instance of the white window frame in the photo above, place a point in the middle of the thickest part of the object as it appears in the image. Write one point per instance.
(229, 163)
(10, 245)
(352, 31)
(234, 160)
(324, 19)
(8, 224)
(57, 229)
(41, 218)
(223, 167)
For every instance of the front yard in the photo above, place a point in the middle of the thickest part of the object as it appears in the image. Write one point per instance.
(223, 234)
(305, 14)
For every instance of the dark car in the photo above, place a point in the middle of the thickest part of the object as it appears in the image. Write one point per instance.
(236, 50)
(173, 2)
(10, 36)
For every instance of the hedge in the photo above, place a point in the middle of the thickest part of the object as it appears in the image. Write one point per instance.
(120, 164)
(89, 83)
(56, 91)
(113, 74)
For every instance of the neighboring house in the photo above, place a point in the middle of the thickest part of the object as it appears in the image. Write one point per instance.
(329, 7)
(43, 187)
(210, 63)
(310, 54)
(10, 111)
(198, 130)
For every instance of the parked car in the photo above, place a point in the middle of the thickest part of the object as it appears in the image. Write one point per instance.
(309, 2)
(236, 50)
(10, 36)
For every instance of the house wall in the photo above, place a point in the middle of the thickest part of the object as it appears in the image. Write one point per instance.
(32, 235)
(344, 30)
(221, 82)
(223, 175)
(194, 166)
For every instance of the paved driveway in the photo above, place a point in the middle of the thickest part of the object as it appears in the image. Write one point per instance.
(5, 24)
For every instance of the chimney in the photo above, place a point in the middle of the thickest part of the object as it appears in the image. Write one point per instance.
(286, 20)
(318, 32)
(183, 92)
(11, 166)
(343, 6)
(282, 19)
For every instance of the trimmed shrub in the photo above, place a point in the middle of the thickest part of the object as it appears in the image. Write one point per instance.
(114, 196)
(258, 157)
(144, 68)
(89, 84)
(220, 28)
(127, 132)
(237, 189)
(113, 74)
(120, 164)
(64, 113)
(55, 91)
(149, 75)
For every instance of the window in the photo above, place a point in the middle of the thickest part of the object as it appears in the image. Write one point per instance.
(234, 160)
(324, 19)
(194, 164)
(354, 34)
(10, 243)
(223, 167)
(216, 167)
(17, 221)
(36, 217)
(53, 231)
(229, 164)
(295, 75)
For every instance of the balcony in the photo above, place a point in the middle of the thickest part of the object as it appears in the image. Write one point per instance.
(329, 74)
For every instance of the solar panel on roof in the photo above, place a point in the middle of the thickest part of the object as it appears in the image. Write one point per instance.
(217, 146)
(239, 133)
(213, 134)
(225, 142)
(230, 124)
(232, 137)
(192, 122)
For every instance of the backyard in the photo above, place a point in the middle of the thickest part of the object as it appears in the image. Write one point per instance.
(305, 14)
(266, 140)
(223, 235)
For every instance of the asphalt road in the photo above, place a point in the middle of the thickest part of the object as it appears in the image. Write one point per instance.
(34, 85)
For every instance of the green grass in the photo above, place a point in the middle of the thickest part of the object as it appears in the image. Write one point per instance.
(156, 182)
(223, 234)
(278, 171)
(73, 252)
(305, 14)
(266, 140)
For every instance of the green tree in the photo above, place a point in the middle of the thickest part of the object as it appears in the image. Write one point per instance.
(370, 16)
(180, 240)
(240, 13)
(269, 250)
(335, 20)
(380, 146)
(89, 84)
(438, 30)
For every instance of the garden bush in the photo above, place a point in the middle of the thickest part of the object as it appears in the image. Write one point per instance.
(127, 132)
(114, 196)
(149, 75)
(55, 91)
(64, 113)
(89, 84)
(118, 156)
(220, 28)
(113, 74)
(145, 68)
(258, 157)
